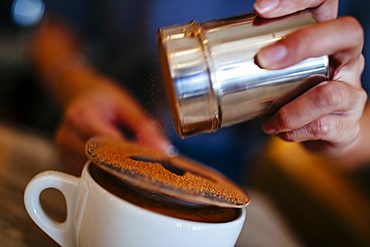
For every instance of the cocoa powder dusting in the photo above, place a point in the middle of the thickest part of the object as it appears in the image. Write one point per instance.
(145, 166)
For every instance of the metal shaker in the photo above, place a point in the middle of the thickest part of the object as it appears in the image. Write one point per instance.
(211, 77)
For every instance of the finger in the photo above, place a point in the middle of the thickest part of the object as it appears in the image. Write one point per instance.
(143, 127)
(331, 129)
(323, 99)
(88, 122)
(147, 132)
(316, 40)
(322, 9)
(350, 73)
(151, 135)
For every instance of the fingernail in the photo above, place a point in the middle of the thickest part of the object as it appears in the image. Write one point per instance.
(268, 127)
(264, 6)
(270, 56)
(165, 146)
(172, 151)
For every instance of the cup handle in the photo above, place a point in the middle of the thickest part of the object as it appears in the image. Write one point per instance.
(62, 232)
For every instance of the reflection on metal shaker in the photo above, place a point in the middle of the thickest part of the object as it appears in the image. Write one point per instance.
(210, 73)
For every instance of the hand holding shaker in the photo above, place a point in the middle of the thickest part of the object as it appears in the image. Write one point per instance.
(211, 76)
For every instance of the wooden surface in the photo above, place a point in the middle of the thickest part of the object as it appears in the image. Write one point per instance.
(22, 155)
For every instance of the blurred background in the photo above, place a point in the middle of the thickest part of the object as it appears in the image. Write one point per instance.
(324, 206)
(22, 100)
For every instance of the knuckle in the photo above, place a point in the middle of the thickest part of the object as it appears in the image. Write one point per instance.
(70, 113)
(74, 115)
(358, 104)
(362, 96)
(330, 96)
(289, 136)
(355, 132)
(318, 129)
(352, 24)
(361, 63)
(284, 120)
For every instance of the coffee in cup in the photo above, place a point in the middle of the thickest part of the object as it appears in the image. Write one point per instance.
(162, 204)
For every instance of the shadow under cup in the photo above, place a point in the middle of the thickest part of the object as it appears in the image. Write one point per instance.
(162, 204)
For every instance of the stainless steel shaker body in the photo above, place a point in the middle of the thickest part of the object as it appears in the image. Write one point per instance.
(211, 76)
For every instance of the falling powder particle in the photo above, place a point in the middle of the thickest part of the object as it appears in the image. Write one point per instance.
(175, 176)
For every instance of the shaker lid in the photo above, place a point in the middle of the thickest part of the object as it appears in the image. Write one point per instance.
(187, 79)
(157, 173)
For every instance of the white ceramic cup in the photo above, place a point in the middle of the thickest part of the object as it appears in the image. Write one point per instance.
(96, 217)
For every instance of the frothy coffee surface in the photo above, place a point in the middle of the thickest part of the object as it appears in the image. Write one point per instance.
(155, 172)
(162, 204)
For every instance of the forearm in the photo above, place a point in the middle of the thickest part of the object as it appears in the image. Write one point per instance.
(59, 60)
